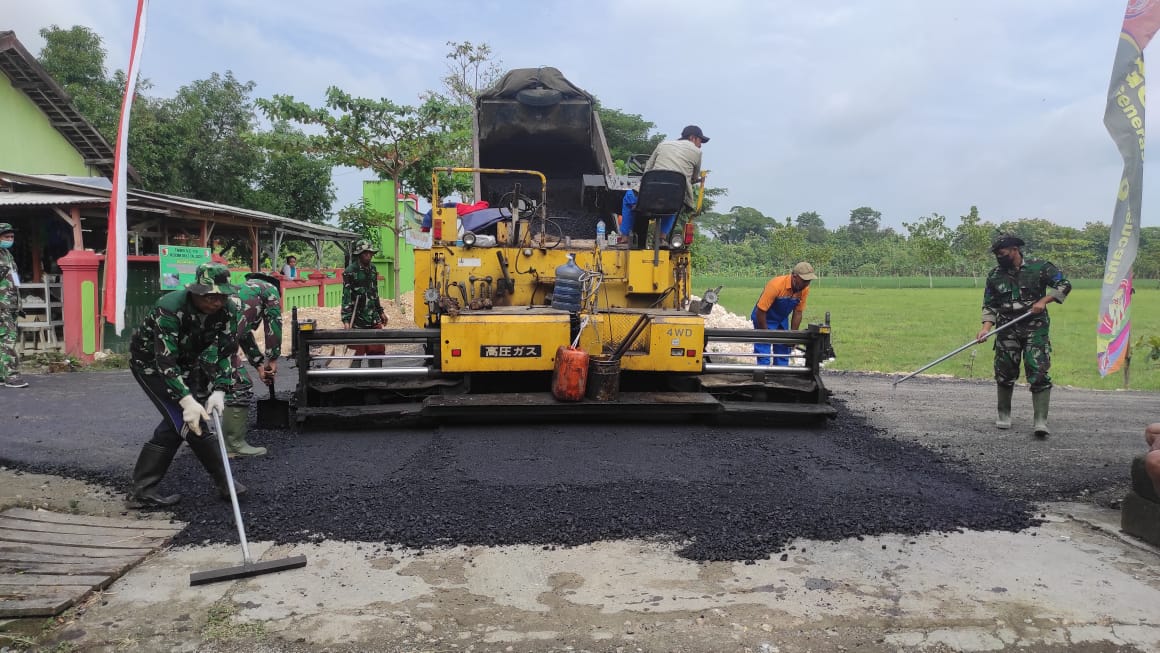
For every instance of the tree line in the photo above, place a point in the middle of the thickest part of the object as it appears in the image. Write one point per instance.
(745, 242)
(213, 140)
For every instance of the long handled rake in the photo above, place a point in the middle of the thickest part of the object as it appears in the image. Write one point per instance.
(966, 346)
(248, 567)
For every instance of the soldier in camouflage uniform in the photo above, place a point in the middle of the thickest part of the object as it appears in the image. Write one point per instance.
(9, 310)
(1014, 287)
(180, 355)
(361, 308)
(261, 306)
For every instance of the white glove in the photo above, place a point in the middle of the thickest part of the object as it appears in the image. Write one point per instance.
(216, 402)
(192, 413)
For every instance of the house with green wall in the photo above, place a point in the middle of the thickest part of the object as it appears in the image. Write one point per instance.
(54, 187)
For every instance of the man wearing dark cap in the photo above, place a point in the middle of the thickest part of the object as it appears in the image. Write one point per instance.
(9, 311)
(182, 355)
(1017, 286)
(683, 156)
(780, 306)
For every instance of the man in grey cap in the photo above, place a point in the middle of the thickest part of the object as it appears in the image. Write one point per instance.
(682, 155)
(1014, 287)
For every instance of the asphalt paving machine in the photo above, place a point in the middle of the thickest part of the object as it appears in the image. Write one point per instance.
(491, 320)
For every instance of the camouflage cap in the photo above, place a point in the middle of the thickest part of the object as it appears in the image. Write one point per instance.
(364, 246)
(211, 279)
(1003, 241)
(6, 228)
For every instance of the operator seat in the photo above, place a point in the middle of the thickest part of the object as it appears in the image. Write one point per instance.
(661, 194)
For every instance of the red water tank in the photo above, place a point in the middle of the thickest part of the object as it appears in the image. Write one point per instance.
(570, 375)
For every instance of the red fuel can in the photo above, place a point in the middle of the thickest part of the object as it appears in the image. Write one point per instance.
(570, 375)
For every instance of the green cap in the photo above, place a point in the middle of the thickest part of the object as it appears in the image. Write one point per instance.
(363, 246)
(6, 228)
(210, 279)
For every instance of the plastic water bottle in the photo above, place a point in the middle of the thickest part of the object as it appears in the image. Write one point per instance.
(566, 292)
(600, 239)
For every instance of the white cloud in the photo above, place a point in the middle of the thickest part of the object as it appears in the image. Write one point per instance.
(907, 106)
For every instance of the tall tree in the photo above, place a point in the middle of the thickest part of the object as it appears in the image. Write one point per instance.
(470, 69)
(864, 223)
(377, 135)
(971, 242)
(627, 134)
(930, 241)
(291, 182)
(75, 58)
(813, 225)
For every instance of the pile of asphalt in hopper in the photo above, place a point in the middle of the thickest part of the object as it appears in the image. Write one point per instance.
(719, 494)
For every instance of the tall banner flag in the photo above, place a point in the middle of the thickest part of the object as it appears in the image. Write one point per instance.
(117, 245)
(1124, 118)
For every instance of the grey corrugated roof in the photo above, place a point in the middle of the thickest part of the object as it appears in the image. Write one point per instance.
(191, 209)
(46, 199)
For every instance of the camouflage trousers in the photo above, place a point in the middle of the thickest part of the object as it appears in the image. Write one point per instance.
(243, 392)
(9, 360)
(1033, 346)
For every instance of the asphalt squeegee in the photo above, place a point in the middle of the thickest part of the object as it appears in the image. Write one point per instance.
(972, 343)
(248, 567)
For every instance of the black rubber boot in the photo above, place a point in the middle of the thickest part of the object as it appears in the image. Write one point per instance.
(210, 456)
(1003, 421)
(1040, 401)
(151, 466)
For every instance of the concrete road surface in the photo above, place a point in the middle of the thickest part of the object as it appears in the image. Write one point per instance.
(1070, 583)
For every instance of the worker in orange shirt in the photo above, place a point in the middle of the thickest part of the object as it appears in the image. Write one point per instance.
(780, 306)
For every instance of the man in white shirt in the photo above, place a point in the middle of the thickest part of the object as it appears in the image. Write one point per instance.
(682, 155)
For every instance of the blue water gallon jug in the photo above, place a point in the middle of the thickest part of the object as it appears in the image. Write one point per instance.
(566, 293)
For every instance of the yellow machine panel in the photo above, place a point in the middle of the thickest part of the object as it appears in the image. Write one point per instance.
(644, 276)
(502, 340)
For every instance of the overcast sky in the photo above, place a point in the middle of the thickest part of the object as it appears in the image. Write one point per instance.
(907, 106)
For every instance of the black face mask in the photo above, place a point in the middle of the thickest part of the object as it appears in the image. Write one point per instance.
(1005, 261)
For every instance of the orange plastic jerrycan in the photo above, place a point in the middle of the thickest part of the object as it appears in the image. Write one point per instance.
(570, 375)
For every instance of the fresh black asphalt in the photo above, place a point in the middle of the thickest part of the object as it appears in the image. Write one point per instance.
(716, 493)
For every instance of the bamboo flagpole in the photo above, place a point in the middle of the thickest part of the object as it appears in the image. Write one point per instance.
(117, 242)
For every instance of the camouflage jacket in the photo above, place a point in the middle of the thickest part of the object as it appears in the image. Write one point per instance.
(361, 286)
(1009, 292)
(260, 306)
(191, 350)
(9, 295)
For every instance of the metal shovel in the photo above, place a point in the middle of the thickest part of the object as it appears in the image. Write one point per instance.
(273, 413)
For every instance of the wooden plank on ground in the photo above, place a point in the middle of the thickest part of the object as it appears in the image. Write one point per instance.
(64, 560)
(111, 522)
(109, 566)
(50, 561)
(16, 593)
(17, 549)
(46, 580)
(80, 529)
(128, 540)
(46, 607)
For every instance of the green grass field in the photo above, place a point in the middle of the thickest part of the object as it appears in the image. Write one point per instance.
(897, 326)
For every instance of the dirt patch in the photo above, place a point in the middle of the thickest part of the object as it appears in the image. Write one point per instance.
(58, 494)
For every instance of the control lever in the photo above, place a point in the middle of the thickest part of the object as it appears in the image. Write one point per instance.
(505, 285)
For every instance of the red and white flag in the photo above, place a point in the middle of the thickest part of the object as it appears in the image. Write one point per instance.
(117, 245)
